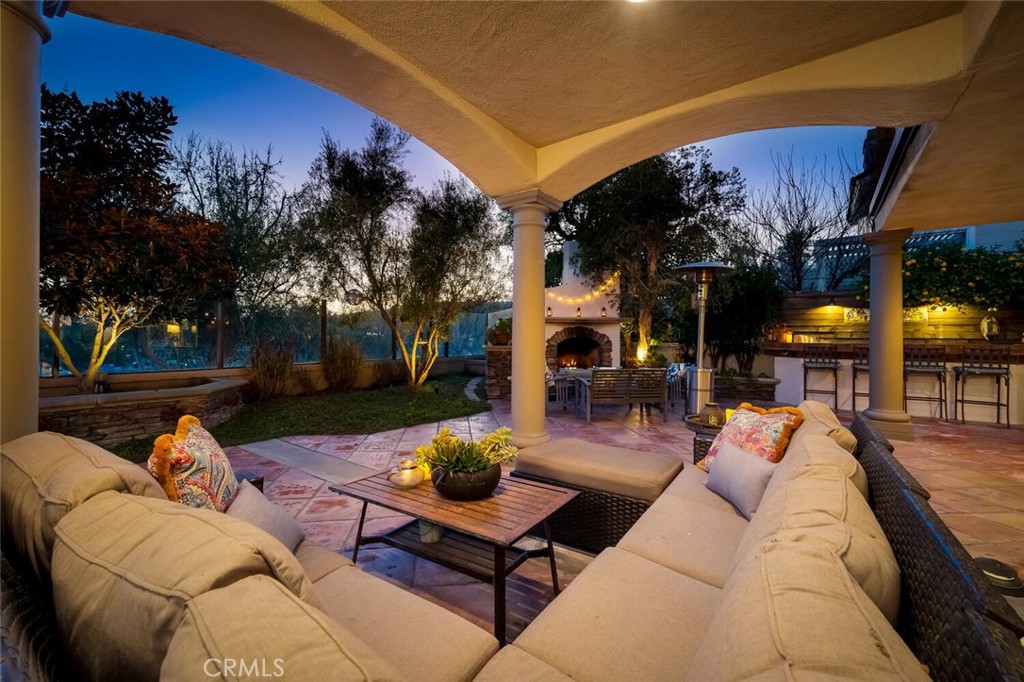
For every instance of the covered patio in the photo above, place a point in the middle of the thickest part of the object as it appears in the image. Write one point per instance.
(517, 96)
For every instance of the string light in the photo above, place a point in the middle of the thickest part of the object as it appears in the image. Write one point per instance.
(591, 295)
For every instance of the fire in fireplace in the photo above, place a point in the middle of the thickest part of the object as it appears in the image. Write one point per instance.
(578, 352)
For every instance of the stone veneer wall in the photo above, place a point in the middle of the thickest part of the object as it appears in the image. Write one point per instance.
(603, 342)
(114, 418)
(499, 369)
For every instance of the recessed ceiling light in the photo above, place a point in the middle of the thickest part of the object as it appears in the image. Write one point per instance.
(635, 2)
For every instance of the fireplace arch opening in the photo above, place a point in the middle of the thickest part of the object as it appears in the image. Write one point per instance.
(584, 346)
(578, 352)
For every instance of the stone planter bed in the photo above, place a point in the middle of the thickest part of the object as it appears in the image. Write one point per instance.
(110, 419)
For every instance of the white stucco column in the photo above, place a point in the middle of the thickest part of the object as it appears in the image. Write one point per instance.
(885, 341)
(528, 389)
(22, 33)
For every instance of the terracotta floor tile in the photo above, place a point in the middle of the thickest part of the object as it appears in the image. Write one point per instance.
(331, 534)
(333, 508)
(1013, 519)
(981, 529)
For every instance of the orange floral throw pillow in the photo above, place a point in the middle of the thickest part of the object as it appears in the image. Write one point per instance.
(192, 468)
(762, 432)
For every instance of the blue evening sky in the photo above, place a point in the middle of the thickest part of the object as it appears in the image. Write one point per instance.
(224, 97)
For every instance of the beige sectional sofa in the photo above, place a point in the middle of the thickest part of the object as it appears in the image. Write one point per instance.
(146, 589)
(809, 588)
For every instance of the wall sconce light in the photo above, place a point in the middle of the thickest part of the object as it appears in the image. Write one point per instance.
(549, 311)
(579, 312)
(173, 328)
(604, 312)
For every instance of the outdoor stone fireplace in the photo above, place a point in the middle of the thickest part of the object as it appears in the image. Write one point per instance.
(579, 347)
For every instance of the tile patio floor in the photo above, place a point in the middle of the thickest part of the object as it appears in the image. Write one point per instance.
(974, 472)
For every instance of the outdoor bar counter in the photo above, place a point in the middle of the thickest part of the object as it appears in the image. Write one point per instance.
(788, 361)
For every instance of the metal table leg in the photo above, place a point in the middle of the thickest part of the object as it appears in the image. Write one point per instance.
(359, 534)
(499, 595)
(551, 557)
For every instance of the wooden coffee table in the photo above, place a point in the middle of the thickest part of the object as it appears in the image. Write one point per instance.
(479, 536)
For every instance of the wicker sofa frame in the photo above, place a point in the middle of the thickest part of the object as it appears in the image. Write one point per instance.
(594, 519)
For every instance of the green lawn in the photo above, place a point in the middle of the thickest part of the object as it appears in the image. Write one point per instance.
(361, 411)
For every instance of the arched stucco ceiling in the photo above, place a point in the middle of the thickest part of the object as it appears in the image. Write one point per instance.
(557, 95)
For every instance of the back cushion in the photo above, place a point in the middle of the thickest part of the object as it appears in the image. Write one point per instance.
(818, 451)
(820, 420)
(124, 567)
(45, 475)
(256, 628)
(822, 507)
(794, 613)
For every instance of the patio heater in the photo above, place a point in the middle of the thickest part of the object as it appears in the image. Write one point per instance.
(700, 381)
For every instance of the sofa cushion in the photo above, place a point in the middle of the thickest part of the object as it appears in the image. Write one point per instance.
(251, 506)
(795, 613)
(740, 477)
(318, 561)
(423, 641)
(45, 475)
(821, 506)
(255, 628)
(512, 664)
(765, 433)
(192, 468)
(818, 451)
(125, 566)
(641, 475)
(820, 420)
(623, 618)
(691, 539)
(690, 485)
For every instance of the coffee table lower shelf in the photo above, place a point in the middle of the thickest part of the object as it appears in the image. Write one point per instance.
(457, 551)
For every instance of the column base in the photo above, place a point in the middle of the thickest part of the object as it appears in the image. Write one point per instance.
(893, 424)
(526, 440)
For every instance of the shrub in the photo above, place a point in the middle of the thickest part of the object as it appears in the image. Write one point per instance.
(270, 367)
(306, 381)
(451, 453)
(341, 362)
(390, 373)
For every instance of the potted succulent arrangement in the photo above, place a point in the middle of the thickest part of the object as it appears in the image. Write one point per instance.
(464, 470)
(500, 334)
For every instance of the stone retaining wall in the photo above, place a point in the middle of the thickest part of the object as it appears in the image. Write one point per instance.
(499, 369)
(113, 418)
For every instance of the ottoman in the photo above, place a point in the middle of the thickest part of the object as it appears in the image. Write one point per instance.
(616, 486)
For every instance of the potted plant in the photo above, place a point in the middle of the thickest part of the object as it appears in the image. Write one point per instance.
(500, 334)
(464, 470)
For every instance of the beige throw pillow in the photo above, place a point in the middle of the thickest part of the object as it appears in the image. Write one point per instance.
(740, 477)
(250, 505)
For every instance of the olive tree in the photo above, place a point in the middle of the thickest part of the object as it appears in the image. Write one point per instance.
(420, 259)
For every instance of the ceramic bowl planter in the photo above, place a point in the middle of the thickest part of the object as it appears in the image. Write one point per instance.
(466, 486)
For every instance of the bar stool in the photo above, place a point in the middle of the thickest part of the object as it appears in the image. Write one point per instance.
(990, 361)
(822, 358)
(860, 366)
(926, 360)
